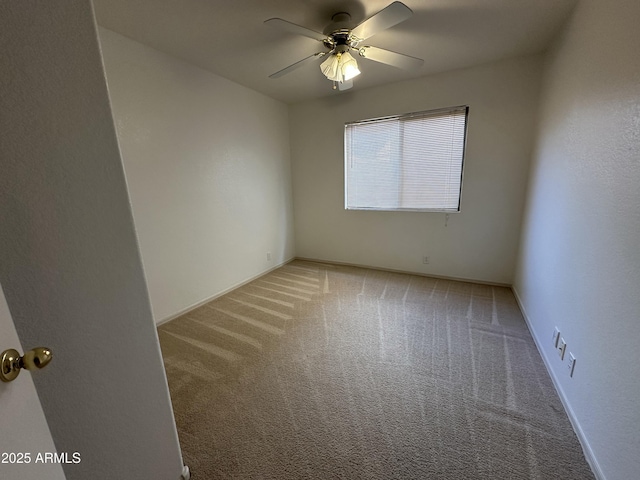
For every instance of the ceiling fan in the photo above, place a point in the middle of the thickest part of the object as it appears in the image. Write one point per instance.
(341, 36)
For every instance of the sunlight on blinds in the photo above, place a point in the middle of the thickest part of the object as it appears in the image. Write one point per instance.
(408, 162)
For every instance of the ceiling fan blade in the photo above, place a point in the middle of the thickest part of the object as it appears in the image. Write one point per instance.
(394, 59)
(346, 85)
(289, 27)
(297, 65)
(389, 16)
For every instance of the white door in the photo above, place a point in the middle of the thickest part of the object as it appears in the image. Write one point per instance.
(70, 266)
(25, 432)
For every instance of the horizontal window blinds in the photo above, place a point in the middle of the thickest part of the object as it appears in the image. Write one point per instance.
(409, 162)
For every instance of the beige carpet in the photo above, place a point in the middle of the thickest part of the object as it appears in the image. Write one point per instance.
(322, 371)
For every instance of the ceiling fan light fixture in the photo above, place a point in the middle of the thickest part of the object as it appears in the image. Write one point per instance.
(349, 66)
(340, 67)
(341, 36)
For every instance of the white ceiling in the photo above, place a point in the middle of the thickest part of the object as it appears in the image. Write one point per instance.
(228, 37)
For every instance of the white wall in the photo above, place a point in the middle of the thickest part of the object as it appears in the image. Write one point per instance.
(479, 243)
(579, 262)
(208, 169)
(69, 261)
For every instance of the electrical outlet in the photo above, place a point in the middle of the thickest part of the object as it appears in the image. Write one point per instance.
(425, 259)
(562, 346)
(556, 336)
(571, 364)
(268, 256)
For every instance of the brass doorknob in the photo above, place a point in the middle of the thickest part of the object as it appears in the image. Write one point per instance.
(11, 362)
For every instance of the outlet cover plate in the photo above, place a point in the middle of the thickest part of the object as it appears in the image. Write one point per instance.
(562, 346)
(571, 364)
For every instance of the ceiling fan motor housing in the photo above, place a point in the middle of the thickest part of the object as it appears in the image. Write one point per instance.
(339, 37)
(340, 21)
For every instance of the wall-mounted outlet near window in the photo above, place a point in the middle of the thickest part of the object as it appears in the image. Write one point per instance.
(268, 256)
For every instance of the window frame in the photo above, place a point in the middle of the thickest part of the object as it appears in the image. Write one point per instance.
(401, 118)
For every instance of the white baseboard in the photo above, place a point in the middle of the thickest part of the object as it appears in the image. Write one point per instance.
(186, 474)
(584, 442)
(219, 294)
(407, 272)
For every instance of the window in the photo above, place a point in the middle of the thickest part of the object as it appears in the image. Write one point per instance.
(408, 162)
